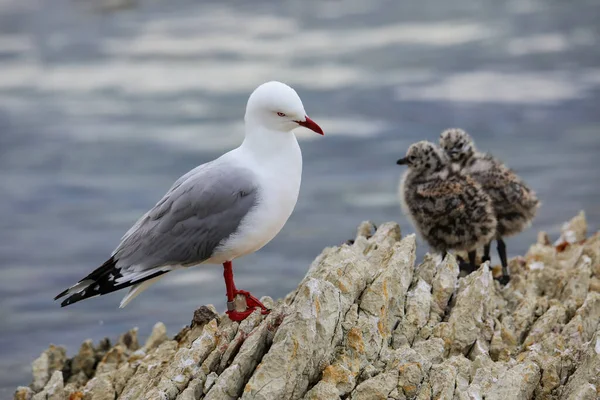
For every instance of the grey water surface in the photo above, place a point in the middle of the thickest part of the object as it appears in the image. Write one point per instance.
(101, 109)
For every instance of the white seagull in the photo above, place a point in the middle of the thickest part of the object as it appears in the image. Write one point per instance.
(218, 211)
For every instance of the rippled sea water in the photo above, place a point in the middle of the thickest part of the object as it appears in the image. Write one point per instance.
(102, 109)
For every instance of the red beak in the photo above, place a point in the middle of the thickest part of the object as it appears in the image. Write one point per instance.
(310, 124)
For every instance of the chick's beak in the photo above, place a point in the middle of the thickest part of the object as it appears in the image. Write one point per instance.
(310, 124)
(402, 161)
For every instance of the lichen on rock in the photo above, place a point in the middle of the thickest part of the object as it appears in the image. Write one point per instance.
(367, 323)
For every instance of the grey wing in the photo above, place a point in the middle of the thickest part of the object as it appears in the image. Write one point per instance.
(176, 184)
(204, 207)
(191, 220)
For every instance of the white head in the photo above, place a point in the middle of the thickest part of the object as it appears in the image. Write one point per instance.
(276, 106)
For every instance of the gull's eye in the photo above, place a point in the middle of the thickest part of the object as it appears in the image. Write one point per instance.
(281, 114)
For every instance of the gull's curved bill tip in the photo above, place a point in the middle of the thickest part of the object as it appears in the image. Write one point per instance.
(310, 124)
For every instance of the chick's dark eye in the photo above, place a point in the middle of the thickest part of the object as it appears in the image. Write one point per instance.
(281, 114)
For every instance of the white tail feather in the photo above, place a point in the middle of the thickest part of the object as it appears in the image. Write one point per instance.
(137, 289)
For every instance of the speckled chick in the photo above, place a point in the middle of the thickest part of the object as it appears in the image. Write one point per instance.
(515, 204)
(448, 209)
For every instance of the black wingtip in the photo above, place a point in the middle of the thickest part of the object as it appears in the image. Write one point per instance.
(66, 302)
(105, 279)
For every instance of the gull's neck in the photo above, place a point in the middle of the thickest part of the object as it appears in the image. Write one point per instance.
(267, 143)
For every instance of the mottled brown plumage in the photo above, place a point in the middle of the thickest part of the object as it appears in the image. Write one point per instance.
(448, 209)
(515, 204)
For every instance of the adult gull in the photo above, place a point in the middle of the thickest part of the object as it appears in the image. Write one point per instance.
(218, 211)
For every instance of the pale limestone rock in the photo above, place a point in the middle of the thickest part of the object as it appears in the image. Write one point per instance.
(378, 387)
(443, 285)
(312, 327)
(85, 360)
(579, 330)
(157, 337)
(366, 324)
(443, 381)
(418, 306)
(517, 383)
(245, 328)
(54, 389)
(322, 391)
(23, 393)
(99, 388)
(111, 360)
(194, 389)
(148, 371)
(427, 269)
(231, 382)
(591, 248)
(554, 317)
(523, 316)
(129, 340)
(431, 350)
(576, 289)
(43, 367)
(185, 364)
(467, 318)
(575, 230)
(210, 381)
(587, 375)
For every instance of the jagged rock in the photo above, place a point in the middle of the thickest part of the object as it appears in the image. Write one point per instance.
(203, 315)
(323, 391)
(517, 383)
(129, 340)
(365, 323)
(585, 382)
(85, 360)
(54, 389)
(230, 383)
(99, 388)
(53, 359)
(573, 231)
(468, 317)
(379, 386)
(157, 337)
(23, 393)
(552, 319)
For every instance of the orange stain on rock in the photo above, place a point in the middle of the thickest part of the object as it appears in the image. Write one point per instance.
(334, 374)
(342, 287)
(355, 340)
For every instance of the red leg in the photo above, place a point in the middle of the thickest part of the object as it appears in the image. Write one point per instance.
(251, 301)
(229, 283)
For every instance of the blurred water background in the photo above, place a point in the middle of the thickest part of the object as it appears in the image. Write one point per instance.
(102, 108)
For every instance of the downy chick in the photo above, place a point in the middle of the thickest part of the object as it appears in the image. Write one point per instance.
(515, 204)
(450, 210)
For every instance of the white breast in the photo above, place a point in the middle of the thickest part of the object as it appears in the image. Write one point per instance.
(278, 180)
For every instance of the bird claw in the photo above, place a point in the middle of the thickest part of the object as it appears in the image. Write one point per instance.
(503, 280)
(251, 303)
(466, 266)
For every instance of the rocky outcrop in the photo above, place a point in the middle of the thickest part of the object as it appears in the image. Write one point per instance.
(366, 323)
